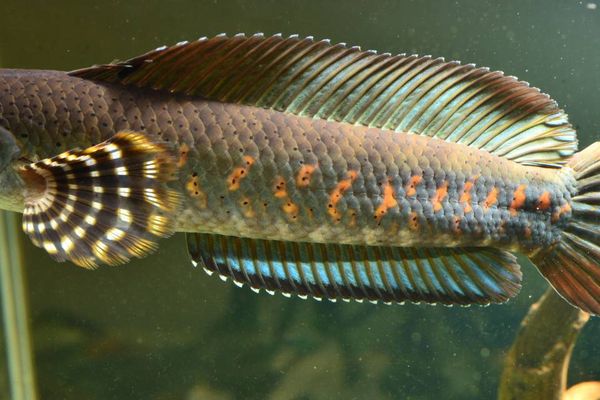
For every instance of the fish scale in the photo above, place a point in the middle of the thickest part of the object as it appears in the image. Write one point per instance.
(221, 135)
(304, 167)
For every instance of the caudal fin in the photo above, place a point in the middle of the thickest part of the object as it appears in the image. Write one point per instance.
(573, 268)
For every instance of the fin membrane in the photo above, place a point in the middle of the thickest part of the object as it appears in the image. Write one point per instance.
(423, 95)
(573, 267)
(388, 274)
(101, 205)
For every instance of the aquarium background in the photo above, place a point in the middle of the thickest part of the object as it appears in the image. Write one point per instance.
(159, 329)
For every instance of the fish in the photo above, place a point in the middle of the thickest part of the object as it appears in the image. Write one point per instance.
(306, 168)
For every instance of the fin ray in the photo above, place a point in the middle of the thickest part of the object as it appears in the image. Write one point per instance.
(101, 205)
(573, 266)
(422, 95)
(388, 274)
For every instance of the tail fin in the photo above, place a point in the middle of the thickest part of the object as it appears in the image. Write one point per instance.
(573, 268)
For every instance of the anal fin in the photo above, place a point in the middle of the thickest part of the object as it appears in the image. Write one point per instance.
(388, 274)
(101, 205)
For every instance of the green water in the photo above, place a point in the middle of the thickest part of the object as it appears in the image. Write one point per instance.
(159, 329)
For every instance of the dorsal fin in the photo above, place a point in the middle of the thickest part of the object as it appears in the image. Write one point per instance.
(422, 95)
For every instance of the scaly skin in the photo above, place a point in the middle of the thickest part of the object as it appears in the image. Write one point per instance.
(247, 171)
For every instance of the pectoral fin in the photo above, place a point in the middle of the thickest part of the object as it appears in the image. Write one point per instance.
(388, 274)
(101, 205)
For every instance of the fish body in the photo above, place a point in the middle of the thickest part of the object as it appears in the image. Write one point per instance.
(307, 188)
(247, 171)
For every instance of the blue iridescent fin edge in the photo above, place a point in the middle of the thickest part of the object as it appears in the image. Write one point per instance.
(463, 276)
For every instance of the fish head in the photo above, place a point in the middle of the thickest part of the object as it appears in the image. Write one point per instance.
(12, 186)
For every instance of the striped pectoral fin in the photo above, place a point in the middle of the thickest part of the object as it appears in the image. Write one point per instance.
(101, 205)
(388, 274)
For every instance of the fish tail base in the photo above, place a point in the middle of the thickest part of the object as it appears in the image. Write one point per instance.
(573, 266)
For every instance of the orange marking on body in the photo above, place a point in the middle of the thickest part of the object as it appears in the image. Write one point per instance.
(183, 155)
(518, 200)
(413, 221)
(333, 212)
(440, 195)
(411, 188)
(247, 209)
(336, 195)
(235, 177)
(456, 224)
(491, 199)
(344, 185)
(544, 201)
(280, 188)
(288, 206)
(389, 201)
(304, 175)
(466, 194)
(239, 173)
(249, 160)
(291, 209)
(465, 197)
(195, 191)
(565, 209)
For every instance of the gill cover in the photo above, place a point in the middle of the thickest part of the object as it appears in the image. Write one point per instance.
(11, 193)
(9, 149)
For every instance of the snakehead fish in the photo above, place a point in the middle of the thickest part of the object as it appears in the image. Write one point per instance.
(306, 168)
